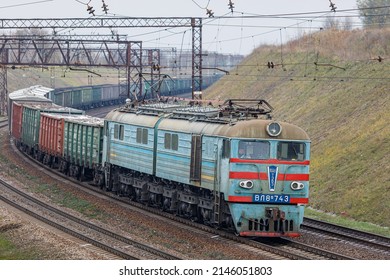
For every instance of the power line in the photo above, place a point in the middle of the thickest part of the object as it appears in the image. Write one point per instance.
(293, 15)
(25, 4)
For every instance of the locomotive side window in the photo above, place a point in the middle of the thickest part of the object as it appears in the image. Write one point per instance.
(119, 131)
(167, 141)
(291, 151)
(171, 141)
(175, 142)
(116, 131)
(142, 135)
(254, 150)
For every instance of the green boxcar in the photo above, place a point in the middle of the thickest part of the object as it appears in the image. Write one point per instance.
(97, 94)
(83, 141)
(58, 98)
(67, 99)
(32, 121)
(77, 98)
(87, 97)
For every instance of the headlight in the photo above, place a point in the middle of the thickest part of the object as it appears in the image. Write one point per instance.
(297, 186)
(246, 184)
(274, 129)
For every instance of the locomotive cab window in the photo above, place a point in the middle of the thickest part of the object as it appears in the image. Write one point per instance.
(291, 151)
(171, 141)
(254, 150)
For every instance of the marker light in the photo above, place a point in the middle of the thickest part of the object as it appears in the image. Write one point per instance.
(297, 186)
(246, 184)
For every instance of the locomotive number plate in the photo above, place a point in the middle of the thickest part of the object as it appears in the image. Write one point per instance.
(271, 198)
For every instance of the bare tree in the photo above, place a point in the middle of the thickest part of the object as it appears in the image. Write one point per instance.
(331, 23)
(374, 12)
(347, 24)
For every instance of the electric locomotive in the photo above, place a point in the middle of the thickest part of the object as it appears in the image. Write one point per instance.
(228, 166)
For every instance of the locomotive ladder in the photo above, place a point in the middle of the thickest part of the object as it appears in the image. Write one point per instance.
(217, 206)
(217, 193)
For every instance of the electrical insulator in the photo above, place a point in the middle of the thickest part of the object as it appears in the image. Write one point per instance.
(90, 10)
(231, 5)
(270, 64)
(209, 13)
(104, 7)
(332, 6)
(156, 67)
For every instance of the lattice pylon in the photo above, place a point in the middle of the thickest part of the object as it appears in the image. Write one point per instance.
(3, 90)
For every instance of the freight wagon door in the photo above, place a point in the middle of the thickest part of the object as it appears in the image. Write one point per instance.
(196, 158)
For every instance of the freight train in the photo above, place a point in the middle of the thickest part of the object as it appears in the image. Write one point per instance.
(88, 97)
(229, 166)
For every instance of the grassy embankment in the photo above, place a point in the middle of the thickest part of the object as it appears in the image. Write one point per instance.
(332, 85)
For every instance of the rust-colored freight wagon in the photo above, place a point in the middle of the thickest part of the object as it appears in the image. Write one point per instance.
(51, 134)
(16, 124)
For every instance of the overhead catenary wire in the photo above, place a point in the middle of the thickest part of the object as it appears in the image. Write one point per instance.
(239, 15)
(222, 22)
(25, 4)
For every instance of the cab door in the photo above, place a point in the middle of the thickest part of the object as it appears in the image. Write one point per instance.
(196, 158)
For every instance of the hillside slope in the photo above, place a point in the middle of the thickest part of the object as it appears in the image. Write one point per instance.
(333, 85)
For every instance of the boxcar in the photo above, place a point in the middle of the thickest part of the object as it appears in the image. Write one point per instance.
(51, 135)
(83, 140)
(16, 124)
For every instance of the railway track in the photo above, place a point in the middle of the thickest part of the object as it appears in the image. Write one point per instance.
(277, 249)
(372, 241)
(104, 239)
(3, 123)
(304, 251)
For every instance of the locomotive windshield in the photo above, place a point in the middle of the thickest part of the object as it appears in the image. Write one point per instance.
(291, 151)
(254, 150)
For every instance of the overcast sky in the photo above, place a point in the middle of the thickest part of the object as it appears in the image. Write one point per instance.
(274, 22)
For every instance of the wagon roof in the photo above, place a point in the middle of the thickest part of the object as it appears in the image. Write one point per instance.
(80, 119)
(34, 93)
(53, 108)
